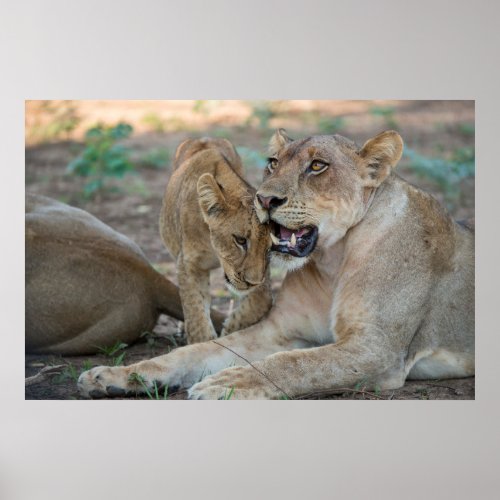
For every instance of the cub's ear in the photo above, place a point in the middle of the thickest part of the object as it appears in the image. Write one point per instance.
(210, 197)
(180, 152)
(379, 155)
(278, 140)
(189, 148)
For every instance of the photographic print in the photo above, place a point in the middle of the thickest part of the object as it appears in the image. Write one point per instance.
(213, 249)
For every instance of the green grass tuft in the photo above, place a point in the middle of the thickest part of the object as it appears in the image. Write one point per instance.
(103, 158)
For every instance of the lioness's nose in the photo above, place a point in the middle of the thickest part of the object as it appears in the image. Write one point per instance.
(269, 202)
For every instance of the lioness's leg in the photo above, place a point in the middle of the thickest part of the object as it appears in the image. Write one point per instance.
(252, 308)
(300, 325)
(300, 372)
(187, 365)
(194, 287)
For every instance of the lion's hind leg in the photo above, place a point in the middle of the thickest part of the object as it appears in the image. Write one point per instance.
(441, 363)
(124, 322)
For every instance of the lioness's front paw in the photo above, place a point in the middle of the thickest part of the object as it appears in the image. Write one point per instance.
(104, 381)
(235, 383)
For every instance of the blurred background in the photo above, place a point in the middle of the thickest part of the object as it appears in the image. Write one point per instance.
(112, 158)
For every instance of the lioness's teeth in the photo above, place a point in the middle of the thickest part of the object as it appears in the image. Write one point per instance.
(293, 240)
(274, 239)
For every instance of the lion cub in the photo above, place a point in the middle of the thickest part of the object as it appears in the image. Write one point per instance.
(208, 220)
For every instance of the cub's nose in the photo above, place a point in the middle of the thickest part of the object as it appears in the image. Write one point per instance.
(269, 202)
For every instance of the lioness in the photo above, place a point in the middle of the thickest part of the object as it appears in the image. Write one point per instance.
(383, 288)
(87, 286)
(207, 220)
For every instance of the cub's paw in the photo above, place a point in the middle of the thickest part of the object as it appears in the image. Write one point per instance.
(104, 381)
(228, 328)
(235, 383)
(199, 335)
(224, 332)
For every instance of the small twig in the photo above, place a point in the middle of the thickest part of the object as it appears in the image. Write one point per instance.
(440, 385)
(341, 390)
(43, 374)
(254, 367)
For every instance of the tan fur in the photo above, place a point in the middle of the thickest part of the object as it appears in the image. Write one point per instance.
(87, 286)
(206, 204)
(388, 292)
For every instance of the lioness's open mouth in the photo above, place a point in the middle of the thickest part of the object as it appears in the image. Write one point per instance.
(295, 242)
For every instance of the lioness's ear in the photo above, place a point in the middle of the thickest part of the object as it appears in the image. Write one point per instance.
(210, 197)
(380, 154)
(278, 140)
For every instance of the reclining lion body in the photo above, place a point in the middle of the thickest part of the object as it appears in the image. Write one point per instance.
(383, 286)
(87, 286)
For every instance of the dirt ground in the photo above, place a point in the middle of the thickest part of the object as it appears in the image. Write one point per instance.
(432, 128)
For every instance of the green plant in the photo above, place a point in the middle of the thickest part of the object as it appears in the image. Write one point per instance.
(87, 365)
(138, 379)
(137, 186)
(330, 125)
(176, 124)
(205, 107)
(118, 360)
(229, 395)
(154, 121)
(446, 174)
(251, 157)
(387, 113)
(155, 158)
(468, 129)
(200, 106)
(69, 373)
(423, 393)
(225, 133)
(102, 157)
(465, 156)
(61, 119)
(360, 386)
(263, 111)
(112, 350)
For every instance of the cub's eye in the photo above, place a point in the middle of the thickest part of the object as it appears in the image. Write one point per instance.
(240, 241)
(271, 164)
(317, 166)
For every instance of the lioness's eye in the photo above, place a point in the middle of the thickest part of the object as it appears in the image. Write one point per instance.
(317, 166)
(271, 164)
(242, 242)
